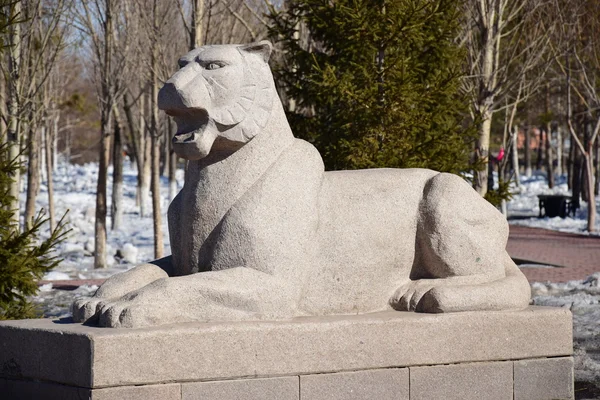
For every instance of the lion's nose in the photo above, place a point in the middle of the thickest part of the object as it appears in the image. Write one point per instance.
(185, 75)
(169, 98)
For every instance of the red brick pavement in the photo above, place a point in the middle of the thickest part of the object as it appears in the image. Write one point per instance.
(578, 255)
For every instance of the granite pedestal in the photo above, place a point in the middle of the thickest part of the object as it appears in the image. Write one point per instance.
(389, 355)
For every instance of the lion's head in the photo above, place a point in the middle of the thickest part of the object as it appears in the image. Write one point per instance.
(220, 98)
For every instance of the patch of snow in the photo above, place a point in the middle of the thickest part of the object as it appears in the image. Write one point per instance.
(75, 192)
(524, 209)
(57, 303)
(56, 276)
(129, 253)
(89, 244)
(47, 287)
(535, 266)
(583, 299)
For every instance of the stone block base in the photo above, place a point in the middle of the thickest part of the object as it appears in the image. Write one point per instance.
(389, 355)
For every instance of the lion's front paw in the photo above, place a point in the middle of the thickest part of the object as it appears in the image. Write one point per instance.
(132, 314)
(408, 297)
(128, 281)
(85, 309)
(150, 305)
(120, 314)
(128, 284)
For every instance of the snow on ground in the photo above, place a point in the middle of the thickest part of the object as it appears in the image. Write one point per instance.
(75, 191)
(583, 298)
(524, 209)
(75, 188)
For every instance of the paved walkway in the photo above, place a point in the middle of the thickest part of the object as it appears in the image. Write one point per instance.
(575, 256)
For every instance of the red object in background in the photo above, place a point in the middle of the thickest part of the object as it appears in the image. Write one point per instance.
(500, 154)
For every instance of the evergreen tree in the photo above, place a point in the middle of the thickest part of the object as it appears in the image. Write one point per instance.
(375, 83)
(24, 258)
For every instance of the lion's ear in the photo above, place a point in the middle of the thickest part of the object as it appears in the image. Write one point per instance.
(262, 48)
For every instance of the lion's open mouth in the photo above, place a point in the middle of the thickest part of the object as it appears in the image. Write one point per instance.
(190, 122)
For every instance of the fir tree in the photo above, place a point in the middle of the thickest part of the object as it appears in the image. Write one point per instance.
(24, 258)
(375, 83)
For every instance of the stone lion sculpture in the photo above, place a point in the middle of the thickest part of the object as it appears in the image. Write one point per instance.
(260, 231)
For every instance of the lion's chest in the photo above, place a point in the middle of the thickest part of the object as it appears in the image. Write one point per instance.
(212, 227)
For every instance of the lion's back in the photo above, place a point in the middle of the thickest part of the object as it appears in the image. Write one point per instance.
(366, 235)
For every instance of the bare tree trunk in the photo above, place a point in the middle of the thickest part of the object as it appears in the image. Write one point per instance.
(572, 151)
(490, 17)
(146, 145)
(549, 158)
(139, 148)
(135, 141)
(540, 149)
(512, 131)
(528, 169)
(147, 175)
(155, 181)
(43, 162)
(597, 167)
(577, 175)
(559, 151)
(589, 167)
(13, 109)
(48, 140)
(117, 189)
(67, 142)
(173, 163)
(548, 128)
(54, 142)
(208, 21)
(105, 127)
(571, 165)
(482, 153)
(50, 183)
(33, 174)
(515, 155)
(587, 152)
(34, 153)
(196, 37)
(101, 207)
(586, 127)
(156, 210)
(3, 110)
(165, 155)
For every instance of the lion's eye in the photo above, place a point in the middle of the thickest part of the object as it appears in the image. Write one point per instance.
(213, 66)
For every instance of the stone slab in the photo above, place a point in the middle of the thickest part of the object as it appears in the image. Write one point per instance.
(544, 379)
(170, 391)
(43, 349)
(282, 388)
(103, 357)
(473, 381)
(360, 385)
(28, 390)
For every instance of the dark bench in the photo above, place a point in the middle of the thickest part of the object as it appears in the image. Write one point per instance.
(557, 205)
